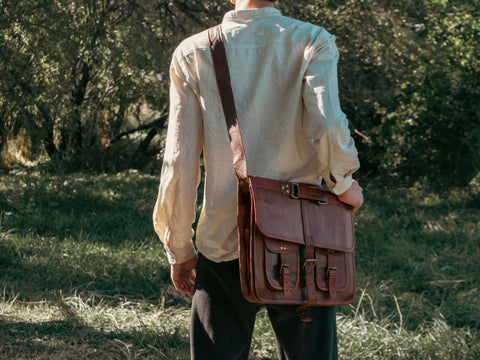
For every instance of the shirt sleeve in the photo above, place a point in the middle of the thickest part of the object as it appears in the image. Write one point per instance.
(174, 210)
(323, 120)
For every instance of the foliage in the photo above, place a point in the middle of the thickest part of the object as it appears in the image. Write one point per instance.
(82, 75)
(436, 100)
(409, 80)
(80, 71)
(84, 276)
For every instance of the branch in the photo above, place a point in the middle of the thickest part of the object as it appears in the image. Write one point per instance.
(157, 123)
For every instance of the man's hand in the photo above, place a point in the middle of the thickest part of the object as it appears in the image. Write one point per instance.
(353, 196)
(183, 276)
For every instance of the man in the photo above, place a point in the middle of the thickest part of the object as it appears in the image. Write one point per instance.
(284, 80)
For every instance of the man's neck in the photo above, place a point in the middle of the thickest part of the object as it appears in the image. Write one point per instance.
(252, 4)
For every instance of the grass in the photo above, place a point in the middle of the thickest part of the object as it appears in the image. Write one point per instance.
(83, 275)
(424, 248)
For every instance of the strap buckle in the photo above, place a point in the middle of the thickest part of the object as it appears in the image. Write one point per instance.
(334, 270)
(308, 262)
(295, 192)
(283, 266)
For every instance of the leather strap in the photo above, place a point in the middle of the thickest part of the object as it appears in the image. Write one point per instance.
(331, 274)
(222, 75)
(307, 192)
(309, 268)
(285, 274)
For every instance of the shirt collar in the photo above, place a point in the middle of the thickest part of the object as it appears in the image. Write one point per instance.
(250, 14)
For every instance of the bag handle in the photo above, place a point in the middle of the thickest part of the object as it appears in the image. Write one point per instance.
(222, 74)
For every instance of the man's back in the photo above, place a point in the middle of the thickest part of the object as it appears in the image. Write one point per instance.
(268, 56)
(281, 70)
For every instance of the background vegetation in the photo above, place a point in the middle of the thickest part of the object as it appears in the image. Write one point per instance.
(85, 81)
(84, 99)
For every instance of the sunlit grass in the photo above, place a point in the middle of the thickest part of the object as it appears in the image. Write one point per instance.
(92, 328)
(72, 327)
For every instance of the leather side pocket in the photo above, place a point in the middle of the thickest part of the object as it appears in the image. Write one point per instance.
(338, 261)
(282, 265)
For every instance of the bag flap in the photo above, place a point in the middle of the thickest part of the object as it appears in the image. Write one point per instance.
(330, 226)
(279, 216)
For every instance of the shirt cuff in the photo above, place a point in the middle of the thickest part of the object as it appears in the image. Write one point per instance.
(178, 255)
(341, 184)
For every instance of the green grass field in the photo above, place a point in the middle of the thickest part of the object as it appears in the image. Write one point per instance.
(83, 275)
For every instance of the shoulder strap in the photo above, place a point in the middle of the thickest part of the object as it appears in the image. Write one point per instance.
(222, 75)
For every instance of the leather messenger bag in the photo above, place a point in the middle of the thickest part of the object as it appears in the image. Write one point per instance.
(296, 241)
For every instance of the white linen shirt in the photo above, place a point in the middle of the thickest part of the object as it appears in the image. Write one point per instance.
(284, 80)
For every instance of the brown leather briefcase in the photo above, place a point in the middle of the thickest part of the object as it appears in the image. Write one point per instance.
(296, 241)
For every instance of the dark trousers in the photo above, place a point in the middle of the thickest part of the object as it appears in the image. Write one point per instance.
(223, 321)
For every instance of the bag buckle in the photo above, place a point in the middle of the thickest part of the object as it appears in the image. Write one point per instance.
(333, 269)
(283, 266)
(308, 262)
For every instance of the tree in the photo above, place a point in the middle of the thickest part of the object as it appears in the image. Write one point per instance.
(90, 68)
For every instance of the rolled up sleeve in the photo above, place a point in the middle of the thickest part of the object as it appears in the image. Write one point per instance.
(174, 211)
(323, 120)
